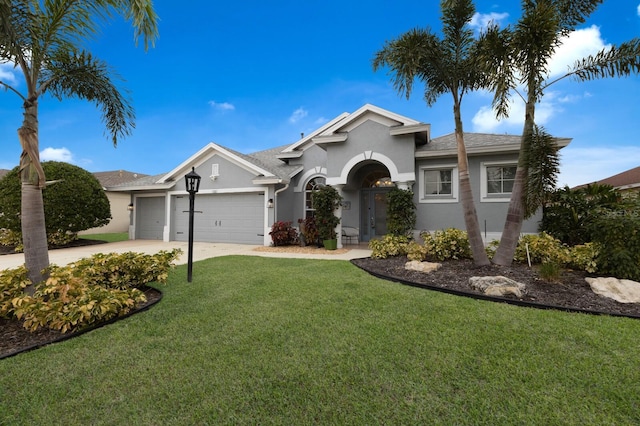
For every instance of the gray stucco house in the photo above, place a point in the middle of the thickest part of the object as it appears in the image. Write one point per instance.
(363, 154)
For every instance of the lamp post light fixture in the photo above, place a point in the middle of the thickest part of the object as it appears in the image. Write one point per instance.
(192, 182)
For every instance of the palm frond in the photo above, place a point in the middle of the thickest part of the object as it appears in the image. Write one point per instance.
(85, 77)
(543, 165)
(617, 61)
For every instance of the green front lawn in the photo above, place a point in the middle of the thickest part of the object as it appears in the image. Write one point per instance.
(110, 238)
(285, 341)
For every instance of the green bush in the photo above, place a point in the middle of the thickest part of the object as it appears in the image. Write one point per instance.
(389, 246)
(12, 285)
(83, 293)
(326, 200)
(73, 203)
(584, 257)
(543, 248)
(417, 251)
(401, 212)
(450, 243)
(125, 270)
(618, 237)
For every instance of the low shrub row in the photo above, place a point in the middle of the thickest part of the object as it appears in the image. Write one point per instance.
(454, 244)
(83, 293)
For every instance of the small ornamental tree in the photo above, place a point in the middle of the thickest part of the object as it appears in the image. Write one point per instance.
(325, 202)
(73, 201)
(401, 212)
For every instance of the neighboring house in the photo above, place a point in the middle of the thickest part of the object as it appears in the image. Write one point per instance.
(363, 154)
(118, 201)
(628, 181)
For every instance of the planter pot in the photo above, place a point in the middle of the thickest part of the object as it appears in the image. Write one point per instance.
(330, 244)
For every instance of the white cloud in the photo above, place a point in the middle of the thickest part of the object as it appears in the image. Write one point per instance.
(480, 21)
(639, 10)
(485, 121)
(579, 44)
(56, 154)
(224, 106)
(579, 166)
(7, 73)
(298, 115)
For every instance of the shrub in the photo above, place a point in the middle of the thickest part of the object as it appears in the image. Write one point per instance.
(65, 302)
(450, 243)
(543, 248)
(86, 292)
(618, 237)
(325, 201)
(417, 251)
(309, 230)
(282, 234)
(389, 246)
(11, 238)
(12, 285)
(74, 203)
(584, 257)
(125, 270)
(401, 212)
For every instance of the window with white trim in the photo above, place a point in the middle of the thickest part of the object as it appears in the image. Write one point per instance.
(497, 181)
(439, 184)
(309, 189)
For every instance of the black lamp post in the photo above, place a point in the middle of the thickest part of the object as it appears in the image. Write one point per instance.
(192, 182)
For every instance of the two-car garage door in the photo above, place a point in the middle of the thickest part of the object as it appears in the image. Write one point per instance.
(220, 218)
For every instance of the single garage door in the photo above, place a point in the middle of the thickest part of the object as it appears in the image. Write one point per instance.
(149, 218)
(221, 218)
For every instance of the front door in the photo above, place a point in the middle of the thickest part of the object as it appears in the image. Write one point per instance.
(373, 213)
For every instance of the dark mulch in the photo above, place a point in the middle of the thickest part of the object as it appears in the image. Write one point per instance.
(571, 293)
(14, 338)
(80, 242)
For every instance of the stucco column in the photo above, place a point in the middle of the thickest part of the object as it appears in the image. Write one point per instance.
(338, 213)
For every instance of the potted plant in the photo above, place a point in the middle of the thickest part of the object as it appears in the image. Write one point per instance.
(325, 201)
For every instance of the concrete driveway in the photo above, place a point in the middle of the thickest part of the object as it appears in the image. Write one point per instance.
(201, 251)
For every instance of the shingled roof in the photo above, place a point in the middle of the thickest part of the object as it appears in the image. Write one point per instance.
(116, 177)
(625, 180)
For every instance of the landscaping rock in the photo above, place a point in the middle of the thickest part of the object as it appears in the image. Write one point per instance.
(624, 291)
(426, 267)
(497, 286)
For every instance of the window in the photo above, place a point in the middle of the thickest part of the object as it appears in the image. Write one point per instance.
(439, 184)
(309, 189)
(497, 181)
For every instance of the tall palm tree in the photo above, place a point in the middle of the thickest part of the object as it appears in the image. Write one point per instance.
(521, 55)
(44, 41)
(447, 65)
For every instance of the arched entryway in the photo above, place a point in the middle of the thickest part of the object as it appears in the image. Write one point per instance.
(374, 186)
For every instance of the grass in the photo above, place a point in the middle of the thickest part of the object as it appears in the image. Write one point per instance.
(284, 341)
(110, 238)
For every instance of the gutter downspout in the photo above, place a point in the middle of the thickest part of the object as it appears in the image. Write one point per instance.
(275, 200)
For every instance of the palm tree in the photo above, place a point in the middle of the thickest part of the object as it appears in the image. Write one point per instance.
(521, 55)
(43, 40)
(447, 65)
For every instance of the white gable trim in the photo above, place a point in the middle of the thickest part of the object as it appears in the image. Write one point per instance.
(310, 136)
(370, 112)
(208, 151)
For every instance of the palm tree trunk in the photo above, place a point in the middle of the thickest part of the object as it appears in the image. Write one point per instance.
(515, 215)
(34, 233)
(466, 195)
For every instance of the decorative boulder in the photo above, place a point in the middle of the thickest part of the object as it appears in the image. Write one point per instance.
(624, 291)
(497, 286)
(426, 267)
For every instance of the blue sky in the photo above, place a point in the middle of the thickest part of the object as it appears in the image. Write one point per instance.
(254, 75)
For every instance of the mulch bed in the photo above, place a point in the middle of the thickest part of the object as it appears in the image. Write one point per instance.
(572, 293)
(15, 339)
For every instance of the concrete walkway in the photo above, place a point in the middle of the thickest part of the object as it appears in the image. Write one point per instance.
(201, 251)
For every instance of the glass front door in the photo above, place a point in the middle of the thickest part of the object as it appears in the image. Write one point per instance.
(373, 213)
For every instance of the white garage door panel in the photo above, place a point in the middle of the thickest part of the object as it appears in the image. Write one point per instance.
(149, 218)
(224, 218)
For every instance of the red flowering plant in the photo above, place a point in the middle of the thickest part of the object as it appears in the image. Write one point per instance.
(309, 230)
(282, 234)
